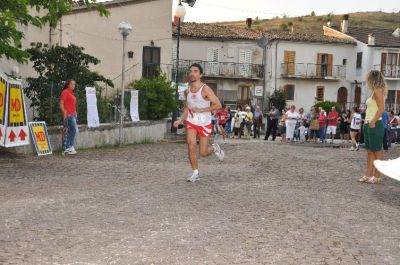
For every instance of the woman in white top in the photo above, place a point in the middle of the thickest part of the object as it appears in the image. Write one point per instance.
(291, 120)
(355, 127)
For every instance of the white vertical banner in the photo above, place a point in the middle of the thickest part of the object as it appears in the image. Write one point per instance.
(92, 113)
(134, 107)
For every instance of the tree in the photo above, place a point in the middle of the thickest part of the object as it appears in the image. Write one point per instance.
(313, 13)
(32, 12)
(156, 97)
(279, 99)
(284, 26)
(327, 105)
(54, 66)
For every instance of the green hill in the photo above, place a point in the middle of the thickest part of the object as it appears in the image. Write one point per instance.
(311, 23)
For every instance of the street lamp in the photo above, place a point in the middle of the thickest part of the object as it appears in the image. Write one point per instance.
(180, 12)
(124, 28)
(263, 43)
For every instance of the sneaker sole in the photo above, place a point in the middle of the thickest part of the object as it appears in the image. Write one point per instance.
(193, 181)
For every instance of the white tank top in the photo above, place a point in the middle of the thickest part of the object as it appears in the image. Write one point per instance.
(356, 122)
(196, 100)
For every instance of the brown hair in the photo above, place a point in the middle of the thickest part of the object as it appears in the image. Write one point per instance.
(376, 80)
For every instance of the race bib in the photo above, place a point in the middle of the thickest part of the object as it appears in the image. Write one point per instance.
(199, 118)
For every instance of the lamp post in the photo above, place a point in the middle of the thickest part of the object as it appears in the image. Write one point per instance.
(180, 12)
(262, 43)
(124, 28)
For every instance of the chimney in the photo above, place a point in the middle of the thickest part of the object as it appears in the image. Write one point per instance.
(345, 24)
(249, 22)
(396, 33)
(371, 39)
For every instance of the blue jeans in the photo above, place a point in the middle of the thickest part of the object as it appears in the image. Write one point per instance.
(69, 131)
(322, 134)
(398, 135)
(228, 127)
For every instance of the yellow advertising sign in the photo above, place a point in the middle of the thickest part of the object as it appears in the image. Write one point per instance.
(16, 112)
(40, 138)
(3, 91)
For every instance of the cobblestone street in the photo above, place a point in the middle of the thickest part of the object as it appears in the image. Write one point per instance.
(267, 203)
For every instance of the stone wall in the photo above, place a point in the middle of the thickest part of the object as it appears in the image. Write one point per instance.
(105, 135)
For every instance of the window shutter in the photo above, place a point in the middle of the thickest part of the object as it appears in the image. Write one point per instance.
(398, 97)
(244, 62)
(212, 67)
(330, 64)
(383, 63)
(290, 61)
(320, 93)
(319, 64)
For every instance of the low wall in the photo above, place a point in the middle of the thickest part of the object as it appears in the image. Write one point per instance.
(105, 135)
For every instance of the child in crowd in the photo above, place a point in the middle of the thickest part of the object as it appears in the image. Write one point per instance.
(302, 132)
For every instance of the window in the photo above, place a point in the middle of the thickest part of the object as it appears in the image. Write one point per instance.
(244, 62)
(344, 62)
(244, 93)
(359, 59)
(290, 61)
(151, 62)
(391, 96)
(231, 52)
(289, 92)
(324, 64)
(320, 93)
(390, 63)
(212, 66)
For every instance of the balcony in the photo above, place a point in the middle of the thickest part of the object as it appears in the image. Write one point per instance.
(313, 71)
(224, 69)
(389, 71)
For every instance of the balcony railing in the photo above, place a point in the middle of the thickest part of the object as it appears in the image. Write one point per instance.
(224, 69)
(388, 70)
(313, 71)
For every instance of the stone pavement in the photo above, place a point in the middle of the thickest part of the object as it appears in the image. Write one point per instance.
(266, 204)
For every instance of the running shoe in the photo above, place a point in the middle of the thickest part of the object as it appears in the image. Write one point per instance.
(218, 151)
(194, 177)
(72, 151)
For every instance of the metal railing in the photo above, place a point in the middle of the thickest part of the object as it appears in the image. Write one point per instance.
(388, 70)
(224, 69)
(313, 71)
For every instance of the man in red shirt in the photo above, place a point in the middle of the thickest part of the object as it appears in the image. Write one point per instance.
(69, 113)
(322, 125)
(223, 116)
(333, 117)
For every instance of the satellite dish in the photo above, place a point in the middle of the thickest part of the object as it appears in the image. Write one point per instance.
(189, 2)
(262, 42)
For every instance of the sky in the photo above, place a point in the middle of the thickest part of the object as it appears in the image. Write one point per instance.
(233, 10)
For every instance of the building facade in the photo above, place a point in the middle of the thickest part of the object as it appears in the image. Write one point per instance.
(377, 49)
(230, 57)
(310, 70)
(149, 42)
